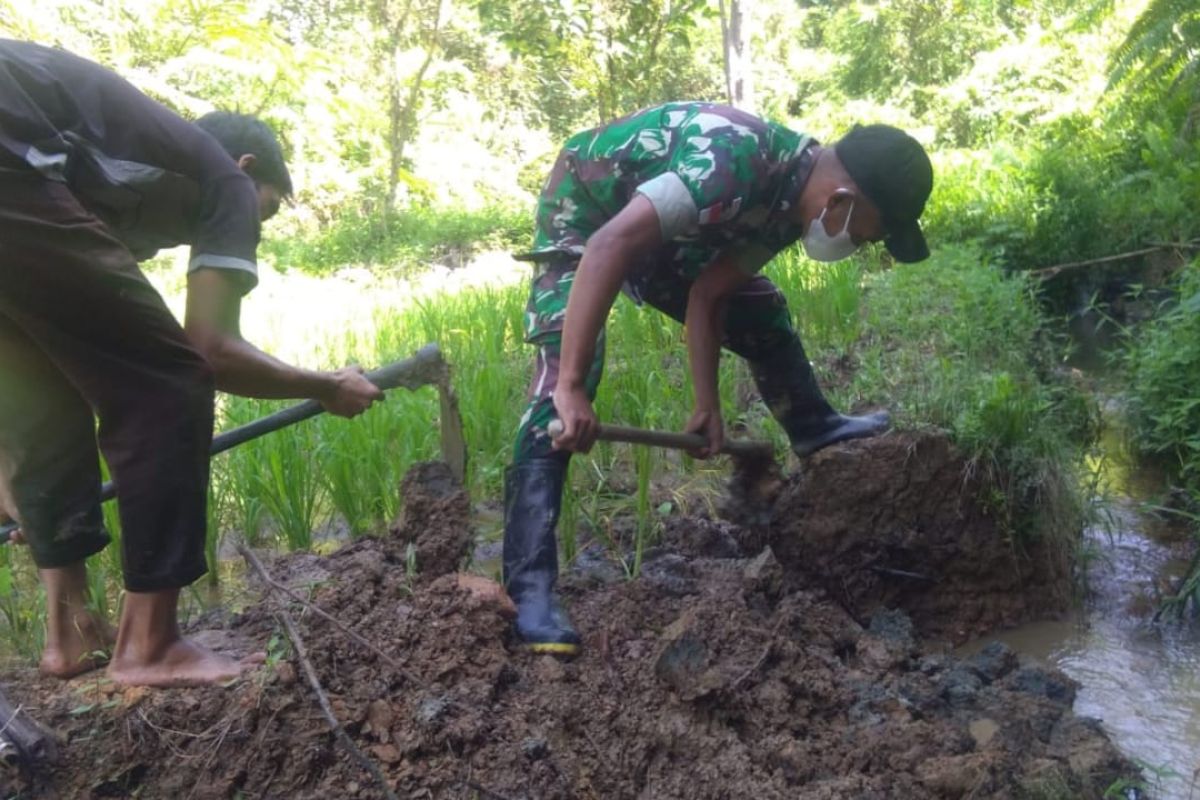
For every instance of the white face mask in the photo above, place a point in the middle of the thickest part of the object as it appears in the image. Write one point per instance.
(820, 246)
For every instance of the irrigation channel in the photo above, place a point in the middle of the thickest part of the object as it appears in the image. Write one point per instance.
(1139, 676)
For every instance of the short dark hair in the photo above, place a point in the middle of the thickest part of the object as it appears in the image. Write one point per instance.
(242, 134)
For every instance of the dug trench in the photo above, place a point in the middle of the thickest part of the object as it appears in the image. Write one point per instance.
(778, 660)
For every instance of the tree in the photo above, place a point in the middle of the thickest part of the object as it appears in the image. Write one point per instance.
(407, 28)
(1162, 51)
(735, 40)
(598, 59)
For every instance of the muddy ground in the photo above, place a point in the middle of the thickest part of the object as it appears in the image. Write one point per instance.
(780, 659)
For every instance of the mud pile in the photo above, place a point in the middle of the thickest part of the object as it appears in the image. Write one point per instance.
(712, 676)
(897, 522)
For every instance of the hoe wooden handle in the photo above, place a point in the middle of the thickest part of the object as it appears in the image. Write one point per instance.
(738, 448)
(424, 367)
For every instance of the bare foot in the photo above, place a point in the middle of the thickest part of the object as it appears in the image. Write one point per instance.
(77, 638)
(83, 646)
(150, 650)
(182, 663)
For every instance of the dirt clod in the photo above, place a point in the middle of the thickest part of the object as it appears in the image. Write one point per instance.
(898, 522)
(436, 519)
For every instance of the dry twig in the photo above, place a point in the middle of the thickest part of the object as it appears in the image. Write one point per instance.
(1050, 272)
(323, 701)
(310, 674)
(258, 567)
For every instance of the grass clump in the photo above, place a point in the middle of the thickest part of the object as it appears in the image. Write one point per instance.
(1163, 404)
(1163, 363)
(955, 344)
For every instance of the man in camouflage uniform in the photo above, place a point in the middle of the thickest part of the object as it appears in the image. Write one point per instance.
(682, 205)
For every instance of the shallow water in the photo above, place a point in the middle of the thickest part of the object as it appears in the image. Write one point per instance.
(1141, 678)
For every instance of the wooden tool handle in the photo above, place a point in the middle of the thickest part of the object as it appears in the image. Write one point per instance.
(739, 448)
(424, 367)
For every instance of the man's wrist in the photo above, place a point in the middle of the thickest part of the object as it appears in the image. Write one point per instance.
(322, 385)
(568, 383)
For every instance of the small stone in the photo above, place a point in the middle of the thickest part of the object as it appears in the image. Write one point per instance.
(386, 753)
(932, 664)
(683, 661)
(960, 685)
(764, 574)
(535, 748)
(379, 719)
(352, 787)
(893, 626)
(286, 673)
(1051, 685)
(488, 592)
(993, 662)
(431, 709)
(983, 730)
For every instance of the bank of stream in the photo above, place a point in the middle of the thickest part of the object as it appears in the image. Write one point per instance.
(1141, 677)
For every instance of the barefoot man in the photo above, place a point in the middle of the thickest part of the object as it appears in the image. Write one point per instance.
(95, 176)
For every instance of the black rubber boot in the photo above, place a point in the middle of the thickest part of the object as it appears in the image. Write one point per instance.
(786, 382)
(532, 500)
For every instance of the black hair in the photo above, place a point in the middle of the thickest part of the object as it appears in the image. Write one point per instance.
(242, 134)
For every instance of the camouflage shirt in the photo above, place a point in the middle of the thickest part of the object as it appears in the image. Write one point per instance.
(718, 177)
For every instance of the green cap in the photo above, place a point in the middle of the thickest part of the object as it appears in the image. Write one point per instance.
(894, 172)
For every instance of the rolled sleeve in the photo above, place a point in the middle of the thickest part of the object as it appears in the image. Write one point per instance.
(228, 230)
(247, 271)
(677, 212)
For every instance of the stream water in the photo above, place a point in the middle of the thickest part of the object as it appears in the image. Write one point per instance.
(1140, 677)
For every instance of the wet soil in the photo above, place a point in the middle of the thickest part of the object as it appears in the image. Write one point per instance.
(898, 522)
(728, 670)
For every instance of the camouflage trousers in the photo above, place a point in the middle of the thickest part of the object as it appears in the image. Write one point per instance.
(757, 325)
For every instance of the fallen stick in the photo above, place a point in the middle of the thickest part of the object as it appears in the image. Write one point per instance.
(1050, 272)
(323, 701)
(258, 567)
(900, 573)
(274, 585)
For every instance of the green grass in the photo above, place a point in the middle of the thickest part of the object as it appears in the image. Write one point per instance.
(954, 344)
(400, 239)
(951, 343)
(1162, 361)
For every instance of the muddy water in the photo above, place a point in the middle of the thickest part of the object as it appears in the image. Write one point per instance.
(1140, 677)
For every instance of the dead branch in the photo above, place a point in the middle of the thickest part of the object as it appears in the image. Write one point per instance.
(323, 701)
(1050, 272)
(258, 567)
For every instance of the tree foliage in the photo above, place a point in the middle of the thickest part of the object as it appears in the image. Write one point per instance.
(1161, 48)
(391, 104)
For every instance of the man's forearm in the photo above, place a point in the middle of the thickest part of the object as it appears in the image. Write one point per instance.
(704, 325)
(243, 369)
(597, 281)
